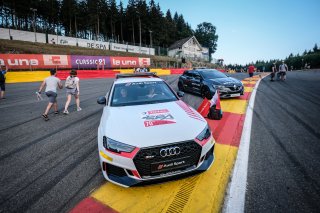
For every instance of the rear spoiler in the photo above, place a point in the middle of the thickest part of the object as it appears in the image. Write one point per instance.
(132, 75)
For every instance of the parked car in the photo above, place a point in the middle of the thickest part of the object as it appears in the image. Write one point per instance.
(148, 134)
(206, 81)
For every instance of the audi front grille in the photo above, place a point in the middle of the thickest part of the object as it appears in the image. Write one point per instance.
(181, 156)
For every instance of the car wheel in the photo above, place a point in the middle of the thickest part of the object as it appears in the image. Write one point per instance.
(180, 87)
(205, 92)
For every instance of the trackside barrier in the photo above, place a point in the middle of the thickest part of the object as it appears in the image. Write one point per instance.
(29, 76)
(177, 71)
(43, 61)
(35, 76)
(89, 74)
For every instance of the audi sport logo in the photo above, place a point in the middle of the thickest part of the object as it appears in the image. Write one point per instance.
(170, 151)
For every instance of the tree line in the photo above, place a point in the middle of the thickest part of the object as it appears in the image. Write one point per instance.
(308, 59)
(104, 20)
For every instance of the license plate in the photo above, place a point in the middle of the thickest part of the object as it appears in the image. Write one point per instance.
(235, 95)
(170, 165)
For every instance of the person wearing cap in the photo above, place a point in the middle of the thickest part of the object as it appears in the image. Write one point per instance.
(51, 83)
(73, 89)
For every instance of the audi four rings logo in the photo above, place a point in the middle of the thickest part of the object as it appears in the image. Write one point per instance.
(170, 151)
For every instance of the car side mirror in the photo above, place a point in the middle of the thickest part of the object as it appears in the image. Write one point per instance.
(180, 94)
(102, 100)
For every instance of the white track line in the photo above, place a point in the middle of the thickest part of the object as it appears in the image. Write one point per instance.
(236, 193)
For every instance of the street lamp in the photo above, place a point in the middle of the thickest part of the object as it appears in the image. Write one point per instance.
(34, 23)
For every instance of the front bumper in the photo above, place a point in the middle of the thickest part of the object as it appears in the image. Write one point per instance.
(142, 173)
(231, 92)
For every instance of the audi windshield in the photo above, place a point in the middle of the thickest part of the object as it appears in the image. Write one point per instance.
(137, 93)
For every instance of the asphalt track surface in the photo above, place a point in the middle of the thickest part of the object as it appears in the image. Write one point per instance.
(284, 159)
(53, 165)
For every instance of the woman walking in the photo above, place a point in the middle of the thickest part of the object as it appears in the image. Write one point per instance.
(72, 86)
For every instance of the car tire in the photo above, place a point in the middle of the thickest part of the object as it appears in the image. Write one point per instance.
(205, 92)
(180, 87)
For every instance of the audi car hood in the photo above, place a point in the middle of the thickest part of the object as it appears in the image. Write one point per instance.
(151, 124)
(226, 81)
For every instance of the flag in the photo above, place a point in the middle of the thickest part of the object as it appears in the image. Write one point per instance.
(204, 107)
(216, 100)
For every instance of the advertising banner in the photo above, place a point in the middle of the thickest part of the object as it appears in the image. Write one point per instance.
(118, 47)
(97, 45)
(34, 61)
(124, 62)
(62, 61)
(141, 50)
(82, 61)
(39, 61)
(144, 62)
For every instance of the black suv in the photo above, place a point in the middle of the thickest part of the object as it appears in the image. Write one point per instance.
(205, 82)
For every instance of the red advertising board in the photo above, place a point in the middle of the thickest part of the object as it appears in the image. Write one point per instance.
(124, 62)
(39, 61)
(34, 61)
(129, 62)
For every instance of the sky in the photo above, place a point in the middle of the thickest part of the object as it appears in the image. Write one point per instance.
(251, 30)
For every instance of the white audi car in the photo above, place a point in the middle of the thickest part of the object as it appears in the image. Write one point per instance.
(147, 134)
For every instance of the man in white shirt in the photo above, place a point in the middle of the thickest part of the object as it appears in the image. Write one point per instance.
(283, 68)
(51, 83)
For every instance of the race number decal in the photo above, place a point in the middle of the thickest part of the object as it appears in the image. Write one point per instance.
(157, 117)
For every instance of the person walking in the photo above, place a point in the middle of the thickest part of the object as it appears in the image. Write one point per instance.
(274, 71)
(283, 68)
(73, 89)
(3, 72)
(251, 70)
(51, 83)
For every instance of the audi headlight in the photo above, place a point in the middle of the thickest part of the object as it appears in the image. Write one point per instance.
(205, 134)
(115, 146)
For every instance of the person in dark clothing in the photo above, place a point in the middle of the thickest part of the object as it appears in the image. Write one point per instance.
(3, 72)
(274, 71)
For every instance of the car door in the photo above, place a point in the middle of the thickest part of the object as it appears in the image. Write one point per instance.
(196, 82)
(188, 80)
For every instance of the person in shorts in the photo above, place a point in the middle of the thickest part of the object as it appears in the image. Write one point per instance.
(3, 72)
(283, 68)
(51, 83)
(73, 89)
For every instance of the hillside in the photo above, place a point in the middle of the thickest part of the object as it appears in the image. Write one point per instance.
(24, 47)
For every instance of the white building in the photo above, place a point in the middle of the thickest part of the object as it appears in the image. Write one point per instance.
(189, 48)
